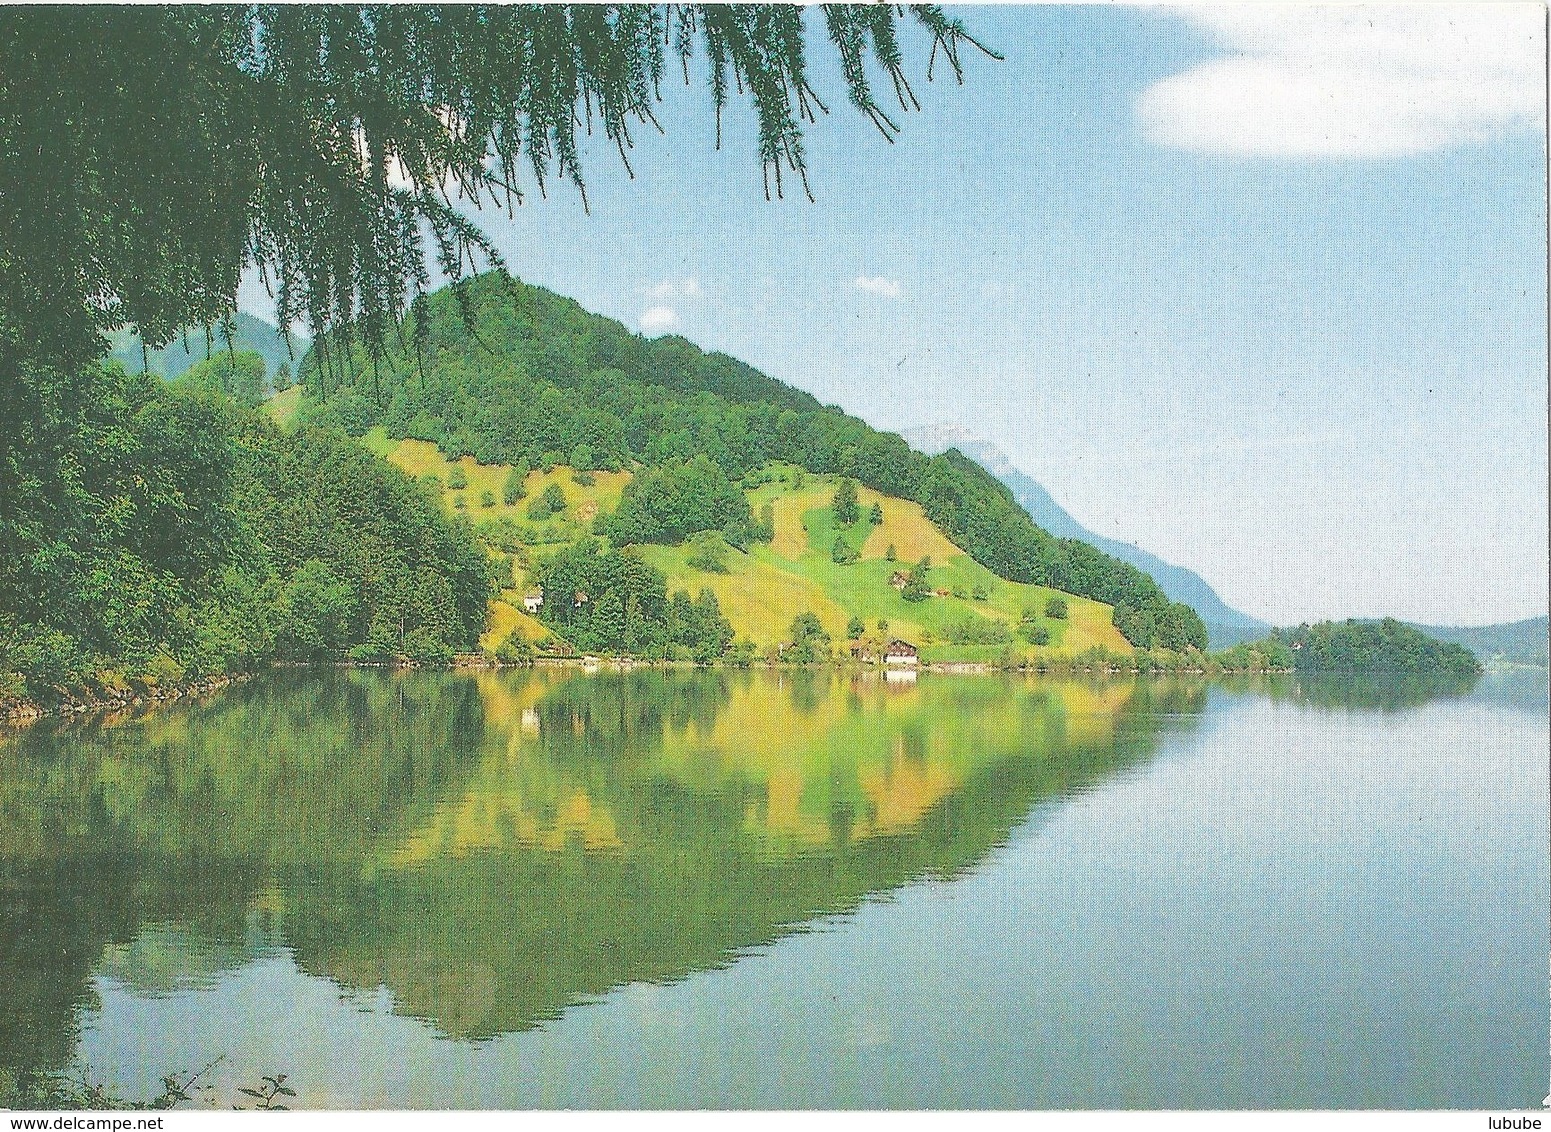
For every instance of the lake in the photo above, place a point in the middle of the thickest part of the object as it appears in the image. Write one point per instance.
(796, 889)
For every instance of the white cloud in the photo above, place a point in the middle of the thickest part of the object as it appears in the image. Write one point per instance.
(1365, 81)
(674, 289)
(656, 320)
(878, 285)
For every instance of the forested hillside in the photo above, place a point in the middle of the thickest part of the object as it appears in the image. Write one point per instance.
(1374, 646)
(512, 374)
(155, 532)
(1225, 625)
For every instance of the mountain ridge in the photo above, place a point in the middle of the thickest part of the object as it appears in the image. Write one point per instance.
(509, 373)
(250, 334)
(1510, 642)
(1225, 625)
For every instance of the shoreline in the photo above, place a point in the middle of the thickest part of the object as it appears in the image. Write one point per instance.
(19, 713)
(76, 702)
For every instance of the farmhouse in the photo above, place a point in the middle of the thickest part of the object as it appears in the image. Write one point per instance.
(901, 654)
(534, 601)
(899, 579)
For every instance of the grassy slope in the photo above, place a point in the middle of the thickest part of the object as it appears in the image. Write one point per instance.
(765, 588)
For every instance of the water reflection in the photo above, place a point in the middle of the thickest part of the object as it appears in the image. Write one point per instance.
(1385, 692)
(492, 848)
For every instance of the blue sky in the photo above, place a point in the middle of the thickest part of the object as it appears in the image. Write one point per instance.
(1262, 291)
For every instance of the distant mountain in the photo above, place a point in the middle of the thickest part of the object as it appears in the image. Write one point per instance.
(1225, 625)
(252, 333)
(1513, 642)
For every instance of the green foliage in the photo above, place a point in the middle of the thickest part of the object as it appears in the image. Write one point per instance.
(163, 532)
(550, 502)
(51, 1092)
(316, 613)
(1374, 646)
(698, 628)
(843, 552)
(274, 146)
(1269, 655)
(844, 505)
(891, 554)
(875, 513)
(515, 649)
(1034, 633)
(610, 601)
(810, 643)
(457, 478)
(420, 580)
(916, 589)
(708, 552)
(855, 628)
(1056, 609)
(513, 490)
(669, 503)
(237, 376)
(487, 498)
(268, 1094)
(975, 630)
(763, 529)
(242, 333)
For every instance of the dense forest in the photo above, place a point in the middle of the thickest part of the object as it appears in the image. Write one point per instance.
(604, 600)
(160, 531)
(510, 373)
(1374, 646)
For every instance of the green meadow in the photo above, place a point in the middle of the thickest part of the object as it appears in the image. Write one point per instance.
(768, 585)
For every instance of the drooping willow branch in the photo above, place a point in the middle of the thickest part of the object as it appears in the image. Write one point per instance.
(149, 155)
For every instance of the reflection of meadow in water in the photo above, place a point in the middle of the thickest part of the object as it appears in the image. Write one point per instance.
(675, 889)
(493, 847)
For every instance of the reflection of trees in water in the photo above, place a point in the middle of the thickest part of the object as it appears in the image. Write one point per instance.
(625, 715)
(182, 816)
(60, 916)
(489, 942)
(809, 689)
(1358, 691)
(303, 794)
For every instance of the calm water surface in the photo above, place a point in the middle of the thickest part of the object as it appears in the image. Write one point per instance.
(794, 890)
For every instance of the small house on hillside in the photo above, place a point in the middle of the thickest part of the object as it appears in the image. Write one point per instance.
(579, 598)
(901, 654)
(899, 579)
(533, 601)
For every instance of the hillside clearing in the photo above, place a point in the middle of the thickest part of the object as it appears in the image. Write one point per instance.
(768, 585)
